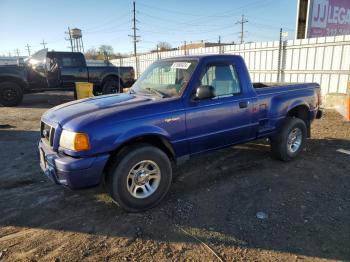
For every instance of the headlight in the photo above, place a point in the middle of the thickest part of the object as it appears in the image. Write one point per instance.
(74, 141)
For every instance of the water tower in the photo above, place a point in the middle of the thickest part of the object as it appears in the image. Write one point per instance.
(76, 38)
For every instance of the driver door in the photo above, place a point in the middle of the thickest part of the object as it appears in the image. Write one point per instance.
(224, 119)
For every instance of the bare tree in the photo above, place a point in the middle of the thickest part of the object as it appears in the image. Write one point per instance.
(92, 53)
(106, 49)
(163, 46)
(104, 52)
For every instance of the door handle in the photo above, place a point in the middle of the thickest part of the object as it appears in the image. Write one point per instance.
(243, 104)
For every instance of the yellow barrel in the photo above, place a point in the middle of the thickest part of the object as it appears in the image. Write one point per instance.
(83, 90)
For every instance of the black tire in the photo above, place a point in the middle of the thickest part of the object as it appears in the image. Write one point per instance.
(118, 181)
(111, 86)
(11, 94)
(280, 147)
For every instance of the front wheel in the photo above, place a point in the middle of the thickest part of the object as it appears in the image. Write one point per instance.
(111, 86)
(288, 143)
(140, 178)
(11, 94)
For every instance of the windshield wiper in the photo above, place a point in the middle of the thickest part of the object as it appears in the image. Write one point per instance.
(157, 92)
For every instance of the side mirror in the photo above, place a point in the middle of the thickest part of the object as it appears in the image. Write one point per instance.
(205, 92)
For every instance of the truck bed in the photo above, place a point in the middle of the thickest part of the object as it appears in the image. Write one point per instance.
(285, 95)
(273, 88)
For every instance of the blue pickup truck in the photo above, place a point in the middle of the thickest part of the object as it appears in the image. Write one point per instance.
(180, 107)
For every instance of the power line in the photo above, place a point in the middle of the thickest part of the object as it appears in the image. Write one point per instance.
(268, 26)
(28, 49)
(176, 23)
(242, 22)
(107, 23)
(170, 30)
(107, 32)
(110, 26)
(256, 4)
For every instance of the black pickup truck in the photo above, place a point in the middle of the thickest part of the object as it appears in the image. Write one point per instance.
(45, 71)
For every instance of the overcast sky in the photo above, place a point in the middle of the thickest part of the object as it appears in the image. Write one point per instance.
(109, 22)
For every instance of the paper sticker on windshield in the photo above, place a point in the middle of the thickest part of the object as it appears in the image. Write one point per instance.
(180, 65)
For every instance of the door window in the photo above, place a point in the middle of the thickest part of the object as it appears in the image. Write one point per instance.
(71, 62)
(224, 79)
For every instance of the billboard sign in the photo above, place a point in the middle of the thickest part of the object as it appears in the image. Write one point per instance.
(328, 18)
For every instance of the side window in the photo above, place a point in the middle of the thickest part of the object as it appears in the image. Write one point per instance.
(224, 79)
(71, 61)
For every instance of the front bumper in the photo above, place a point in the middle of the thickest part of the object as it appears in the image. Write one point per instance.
(69, 171)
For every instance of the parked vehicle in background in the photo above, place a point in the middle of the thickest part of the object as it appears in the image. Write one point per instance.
(59, 71)
(179, 108)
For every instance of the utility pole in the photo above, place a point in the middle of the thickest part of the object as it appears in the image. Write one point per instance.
(134, 29)
(28, 49)
(282, 55)
(135, 37)
(219, 42)
(17, 52)
(158, 52)
(279, 58)
(43, 43)
(242, 22)
(185, 48)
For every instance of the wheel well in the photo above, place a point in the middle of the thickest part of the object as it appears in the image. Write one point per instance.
(301, 112)
(112, 77)
(154, 140)
(18, 81)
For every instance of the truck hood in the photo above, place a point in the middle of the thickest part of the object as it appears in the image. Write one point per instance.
(78, 112)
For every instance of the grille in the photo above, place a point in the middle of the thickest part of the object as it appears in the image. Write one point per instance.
(47, 133)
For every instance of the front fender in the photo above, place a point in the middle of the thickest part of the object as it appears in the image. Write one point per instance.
(139, 132)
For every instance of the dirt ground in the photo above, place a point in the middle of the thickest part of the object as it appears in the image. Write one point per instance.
(209, 214)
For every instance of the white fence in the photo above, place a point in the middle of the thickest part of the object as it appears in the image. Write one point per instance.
(325, 60)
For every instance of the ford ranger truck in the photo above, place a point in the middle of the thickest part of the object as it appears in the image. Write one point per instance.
(179, 108)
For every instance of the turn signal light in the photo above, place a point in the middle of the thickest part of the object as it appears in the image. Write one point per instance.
(81, 142)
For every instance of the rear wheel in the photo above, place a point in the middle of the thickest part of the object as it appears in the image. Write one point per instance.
(111, 86)
(288, 143)
(140, 178)
(11, 94)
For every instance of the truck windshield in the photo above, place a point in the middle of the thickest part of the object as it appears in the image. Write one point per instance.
(39, 58)
(38, 62)
(165, 78)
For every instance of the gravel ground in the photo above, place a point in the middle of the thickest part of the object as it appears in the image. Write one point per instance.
(209, 214)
